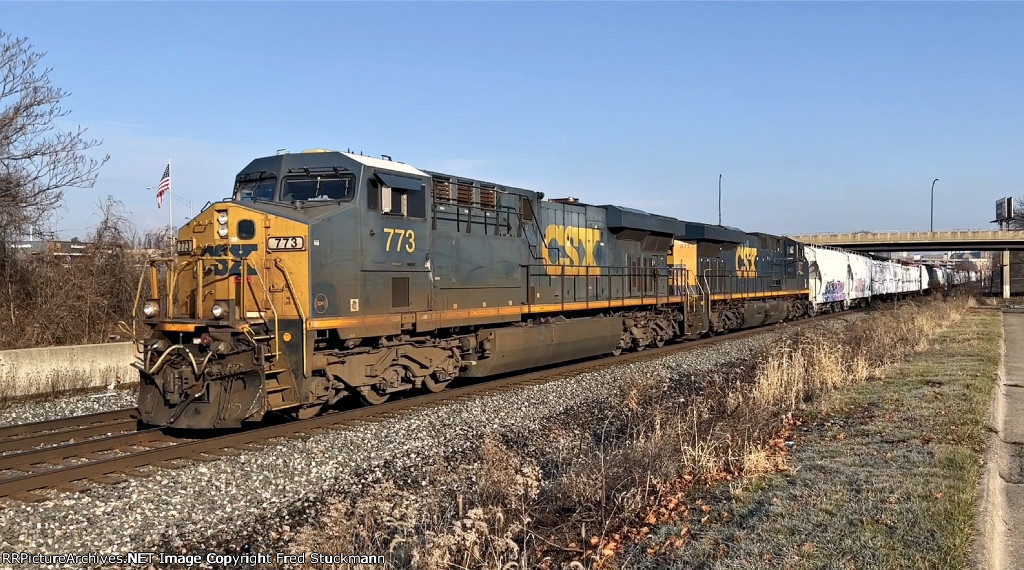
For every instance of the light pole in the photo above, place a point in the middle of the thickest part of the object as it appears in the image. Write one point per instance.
(931, 224)
(719, 199)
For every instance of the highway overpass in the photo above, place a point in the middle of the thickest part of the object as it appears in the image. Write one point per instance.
(943, 240)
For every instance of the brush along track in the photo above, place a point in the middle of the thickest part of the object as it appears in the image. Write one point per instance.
(163, 450)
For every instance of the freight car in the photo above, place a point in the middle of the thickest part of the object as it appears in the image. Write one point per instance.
(838, 279)
(329, 274)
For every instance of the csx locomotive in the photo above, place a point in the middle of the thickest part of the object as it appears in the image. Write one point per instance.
(331, 274)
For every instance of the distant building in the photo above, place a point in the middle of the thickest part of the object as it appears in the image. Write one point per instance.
(949, 259)
(56, 248)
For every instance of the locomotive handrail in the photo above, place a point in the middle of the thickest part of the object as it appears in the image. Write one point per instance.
(298, 307)
(172, 277)
(273, 309)
(175, 269)
(649, 283)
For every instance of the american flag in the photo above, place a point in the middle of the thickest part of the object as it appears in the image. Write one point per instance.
(165, 186)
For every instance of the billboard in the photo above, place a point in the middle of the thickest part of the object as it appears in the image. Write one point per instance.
(1004, 209)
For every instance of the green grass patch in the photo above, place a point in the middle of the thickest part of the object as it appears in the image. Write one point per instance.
(883, 474)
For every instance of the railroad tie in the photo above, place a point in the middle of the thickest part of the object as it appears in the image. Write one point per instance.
(73, 487)
(203, 457)
(108, 479)
(250, 446)
(28, 497)
(226, 452)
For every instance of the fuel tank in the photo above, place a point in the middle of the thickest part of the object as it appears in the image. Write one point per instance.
(515, 348)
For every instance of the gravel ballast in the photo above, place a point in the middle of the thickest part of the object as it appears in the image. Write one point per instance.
(30, 411)
(254, 501)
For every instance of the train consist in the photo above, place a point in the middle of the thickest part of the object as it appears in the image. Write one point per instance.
(329, 275)
(840, 280)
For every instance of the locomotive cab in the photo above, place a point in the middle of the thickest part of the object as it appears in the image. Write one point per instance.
(236, 314)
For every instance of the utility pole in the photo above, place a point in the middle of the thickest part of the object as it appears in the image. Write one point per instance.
(719, 199)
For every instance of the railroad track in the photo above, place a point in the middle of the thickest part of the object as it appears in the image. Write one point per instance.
(25, 436)
(80, 465)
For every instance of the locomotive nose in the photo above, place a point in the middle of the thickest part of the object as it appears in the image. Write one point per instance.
(216, 311)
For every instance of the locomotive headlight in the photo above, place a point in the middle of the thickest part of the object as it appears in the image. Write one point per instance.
(218, 311)
(151, 309)
(222, 219)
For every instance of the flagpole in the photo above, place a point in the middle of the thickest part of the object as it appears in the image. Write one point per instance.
(170, 203)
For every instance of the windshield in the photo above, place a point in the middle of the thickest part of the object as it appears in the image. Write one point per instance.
(259, 189)
(318, 188)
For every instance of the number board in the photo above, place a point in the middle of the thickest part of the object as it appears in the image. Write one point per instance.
(286, 243)
(185, 246)
(401, 240)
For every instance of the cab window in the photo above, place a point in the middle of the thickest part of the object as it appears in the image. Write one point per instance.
(260, 189)
(318, 188)
(397, 195)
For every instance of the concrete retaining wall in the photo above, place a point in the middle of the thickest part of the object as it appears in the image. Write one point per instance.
(33, 371)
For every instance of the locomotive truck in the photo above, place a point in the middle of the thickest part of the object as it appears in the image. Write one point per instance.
(330, 274)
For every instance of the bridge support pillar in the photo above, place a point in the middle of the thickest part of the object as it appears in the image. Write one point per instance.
(1006, 274)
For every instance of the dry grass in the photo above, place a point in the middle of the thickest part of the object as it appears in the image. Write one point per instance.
(598, 488)
(804, 368)
(883, 474)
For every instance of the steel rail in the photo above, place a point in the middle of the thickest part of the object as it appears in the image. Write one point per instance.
(65, 425)
(25, 460)
(31, 441)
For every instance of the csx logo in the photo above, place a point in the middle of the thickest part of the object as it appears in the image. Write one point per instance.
(223, 267)
(746, 261)
(574, 248)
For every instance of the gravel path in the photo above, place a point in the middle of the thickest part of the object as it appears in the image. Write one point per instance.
(253, 501)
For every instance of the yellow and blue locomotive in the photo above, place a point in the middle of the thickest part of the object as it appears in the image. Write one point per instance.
(331, 274)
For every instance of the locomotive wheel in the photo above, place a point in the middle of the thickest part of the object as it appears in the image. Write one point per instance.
(659, 342)
(372, 397)
(617, 351)
(433, 385)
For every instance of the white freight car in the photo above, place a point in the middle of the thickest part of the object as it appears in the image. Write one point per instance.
(911, 278)
(829, 278)
(884, 278)
(860, 274)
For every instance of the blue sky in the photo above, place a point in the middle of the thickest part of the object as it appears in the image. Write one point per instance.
(820, 116)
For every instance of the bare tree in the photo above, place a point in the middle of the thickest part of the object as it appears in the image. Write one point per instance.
(48, 299)
(37, 160)
(965, 265)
